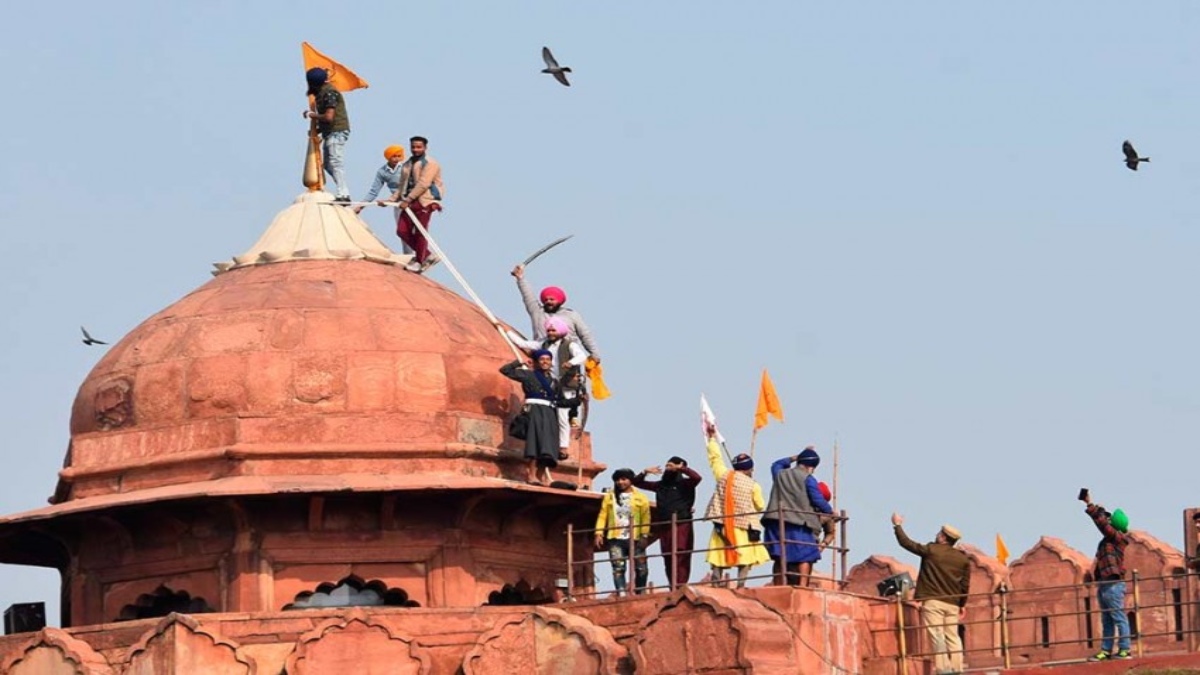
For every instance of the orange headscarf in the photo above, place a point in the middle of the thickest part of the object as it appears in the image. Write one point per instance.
(731, 553)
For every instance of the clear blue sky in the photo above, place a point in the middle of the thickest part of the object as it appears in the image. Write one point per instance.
(915, 215)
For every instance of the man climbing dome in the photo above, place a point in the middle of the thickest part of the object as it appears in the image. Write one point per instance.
(329, 111)
(420, 191)
(549, 303)
(387, 175)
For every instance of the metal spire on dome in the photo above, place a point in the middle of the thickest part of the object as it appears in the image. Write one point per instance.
(315, 228)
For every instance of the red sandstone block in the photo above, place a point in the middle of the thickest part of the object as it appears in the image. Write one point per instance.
(372, 294)
(420, 382)
(286, 329)
(158, 393)
(408, 330)
(231, 332)
(268, 382)
(235, 298)
(160, 341)
(476, 385)
(216, 385)
(339, 329)
(302, 294)
(319, 379)
(370, 381)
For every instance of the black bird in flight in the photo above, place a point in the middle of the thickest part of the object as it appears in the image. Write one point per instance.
(1131, 156)
(552, 67)
(88, 339)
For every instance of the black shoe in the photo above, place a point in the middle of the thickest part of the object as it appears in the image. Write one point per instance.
(342, 200)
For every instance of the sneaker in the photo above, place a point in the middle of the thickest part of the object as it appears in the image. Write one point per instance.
(343, 199)
(1101, 656)
(413, 266)
(1122, 654)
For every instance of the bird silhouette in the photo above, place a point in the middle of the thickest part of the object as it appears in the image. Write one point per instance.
(88, 339)
(1131, 156)
(552, 67)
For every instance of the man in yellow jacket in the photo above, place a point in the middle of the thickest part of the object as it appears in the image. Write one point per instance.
(623, 527)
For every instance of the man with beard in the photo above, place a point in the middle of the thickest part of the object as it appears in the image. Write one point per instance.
(568, 358)
(541, 397)
(676, 496)
(549, 303)
(623, 526)
(329, 111)
(420, 191)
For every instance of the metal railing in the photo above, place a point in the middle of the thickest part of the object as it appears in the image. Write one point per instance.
(1176, 625)
(778, 573)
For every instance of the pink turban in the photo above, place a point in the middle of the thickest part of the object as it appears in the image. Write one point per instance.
(557, 325)
(554, 293)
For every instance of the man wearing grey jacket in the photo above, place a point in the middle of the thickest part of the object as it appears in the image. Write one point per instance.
(549, 303)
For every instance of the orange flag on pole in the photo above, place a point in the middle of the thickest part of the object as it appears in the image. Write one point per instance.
(768, 403)
(341, 77)
(1001, 550)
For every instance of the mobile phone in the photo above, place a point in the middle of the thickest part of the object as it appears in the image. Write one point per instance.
(1083, 494)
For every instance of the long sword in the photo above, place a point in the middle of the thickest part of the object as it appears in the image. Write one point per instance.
(545, 248)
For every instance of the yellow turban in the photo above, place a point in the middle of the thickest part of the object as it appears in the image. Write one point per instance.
(393, 150)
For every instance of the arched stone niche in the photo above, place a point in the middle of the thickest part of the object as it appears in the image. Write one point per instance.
(547, 641)
(179, 645)
(701, 629)
(54, 652)
(357, 644)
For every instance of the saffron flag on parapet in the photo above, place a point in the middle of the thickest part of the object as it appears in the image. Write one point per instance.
(341, 77)
(707, 419)
(1001, 550)
(768, 403)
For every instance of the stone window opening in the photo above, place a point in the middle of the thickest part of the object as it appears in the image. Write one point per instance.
(1045, 632)
(520, 594)
(1089, 630)
(352, 591)
(162, 602)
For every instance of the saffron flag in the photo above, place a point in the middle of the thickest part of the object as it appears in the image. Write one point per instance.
(1001, 550)
(595, 373)
(768, 403)
(707, 417)
(341, 77)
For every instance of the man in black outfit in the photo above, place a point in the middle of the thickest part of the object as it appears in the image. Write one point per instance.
(675, 495)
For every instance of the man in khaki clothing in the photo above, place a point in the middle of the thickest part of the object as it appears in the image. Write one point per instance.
(942, 587)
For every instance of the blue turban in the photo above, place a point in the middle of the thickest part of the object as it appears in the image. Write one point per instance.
(808, 457)
(540, 353)
(743, 462)
(316, 76)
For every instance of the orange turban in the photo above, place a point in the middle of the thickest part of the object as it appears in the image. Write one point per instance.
(393, 150)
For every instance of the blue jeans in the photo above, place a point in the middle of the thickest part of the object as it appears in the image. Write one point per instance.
(618, 552)
(1111, 595)
(335, 146)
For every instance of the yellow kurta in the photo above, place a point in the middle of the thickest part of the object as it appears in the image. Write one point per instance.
(747, 553)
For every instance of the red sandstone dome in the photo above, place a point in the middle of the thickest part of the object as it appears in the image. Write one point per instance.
(330, 361)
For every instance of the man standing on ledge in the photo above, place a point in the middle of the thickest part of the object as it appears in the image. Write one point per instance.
(1109, 573)
(329, 110)
(942, 586)
(549, 303)
(421, 192)
(676, 493)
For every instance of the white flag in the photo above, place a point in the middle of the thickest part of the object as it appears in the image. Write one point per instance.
(706, 418)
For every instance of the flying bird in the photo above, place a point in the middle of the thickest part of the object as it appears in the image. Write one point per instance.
(552, 67)
(1131, 156)
(88, 339)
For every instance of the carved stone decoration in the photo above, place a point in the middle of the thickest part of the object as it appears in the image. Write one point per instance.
(547, 641)
(52, 651)
(702, 630)
(114, 404)
(359, 644)
(178, 645)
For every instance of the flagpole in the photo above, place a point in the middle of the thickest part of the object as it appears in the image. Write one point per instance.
(753, 439)
(835, 473)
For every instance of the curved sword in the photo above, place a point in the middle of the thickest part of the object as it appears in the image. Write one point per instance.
(545, 248)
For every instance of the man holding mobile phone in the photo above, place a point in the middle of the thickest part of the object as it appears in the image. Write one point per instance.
(1109, 573)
